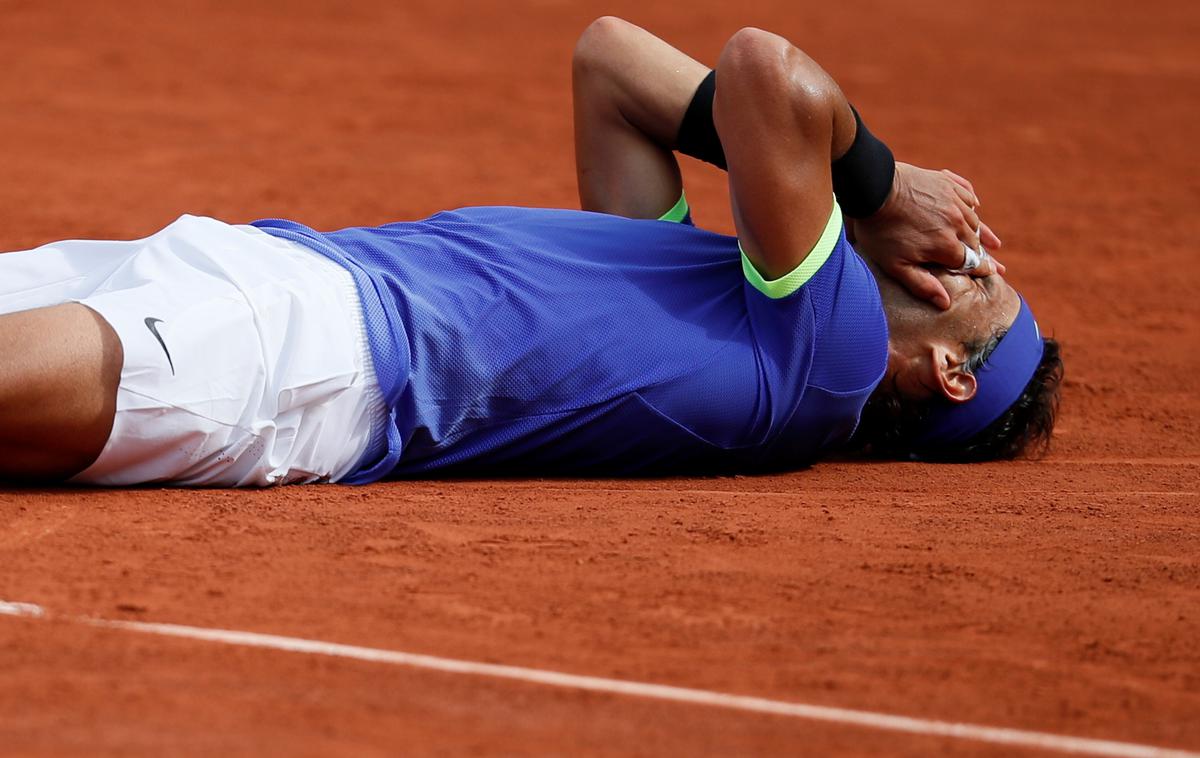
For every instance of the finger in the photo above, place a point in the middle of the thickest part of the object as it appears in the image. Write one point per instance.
(1000, 267)
(986, 267)
(962, 182)
(946, 250)
(964, 194)
(970, 229)
(989, 238)
(923, 285)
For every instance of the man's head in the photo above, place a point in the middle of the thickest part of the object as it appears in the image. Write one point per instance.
(940, 362)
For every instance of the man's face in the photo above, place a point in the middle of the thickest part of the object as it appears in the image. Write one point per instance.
(927, 345)
(979, 305)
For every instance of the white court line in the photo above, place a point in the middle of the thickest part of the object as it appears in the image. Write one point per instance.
(861, 494)
(867, 719)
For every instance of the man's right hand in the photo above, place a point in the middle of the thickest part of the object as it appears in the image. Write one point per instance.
(925, 222)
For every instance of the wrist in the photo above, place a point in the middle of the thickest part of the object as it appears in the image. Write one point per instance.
(894, 200)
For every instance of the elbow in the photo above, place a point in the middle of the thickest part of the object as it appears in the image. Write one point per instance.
(595, 51)
(761, 65)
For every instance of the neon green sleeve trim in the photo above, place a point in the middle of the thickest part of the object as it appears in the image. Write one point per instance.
(797, 277)
(677, 212)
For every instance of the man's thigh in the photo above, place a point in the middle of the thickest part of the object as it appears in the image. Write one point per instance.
(235, 358)
(59, 371)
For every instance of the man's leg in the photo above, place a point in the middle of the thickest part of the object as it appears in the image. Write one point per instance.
(59, 372)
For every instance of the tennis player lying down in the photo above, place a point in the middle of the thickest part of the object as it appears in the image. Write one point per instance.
(615, 340)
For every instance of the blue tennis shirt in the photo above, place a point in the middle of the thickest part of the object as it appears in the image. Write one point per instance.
(524, 340)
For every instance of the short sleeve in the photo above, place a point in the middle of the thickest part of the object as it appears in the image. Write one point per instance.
(680, 213)
(799, 276)
(820, 327)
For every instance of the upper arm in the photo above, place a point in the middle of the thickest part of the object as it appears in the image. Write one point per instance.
(780, 118)
(630, 92)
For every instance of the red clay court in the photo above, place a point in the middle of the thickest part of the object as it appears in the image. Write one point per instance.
(1059, 598)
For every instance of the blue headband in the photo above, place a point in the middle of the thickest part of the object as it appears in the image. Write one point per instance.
(999, 383)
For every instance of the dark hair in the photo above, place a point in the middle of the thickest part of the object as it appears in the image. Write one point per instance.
(888, 424)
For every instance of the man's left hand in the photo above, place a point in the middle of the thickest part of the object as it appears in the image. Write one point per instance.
(925, 222)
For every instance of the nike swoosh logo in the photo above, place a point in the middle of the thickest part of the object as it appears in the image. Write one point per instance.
(152, 324)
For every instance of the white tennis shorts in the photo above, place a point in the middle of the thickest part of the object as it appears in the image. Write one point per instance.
(246, 358)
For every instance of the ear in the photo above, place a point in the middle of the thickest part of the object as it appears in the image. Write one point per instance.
(951, 376)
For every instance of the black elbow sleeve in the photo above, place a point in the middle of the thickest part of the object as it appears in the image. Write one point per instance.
(862, 178)
(697, 134)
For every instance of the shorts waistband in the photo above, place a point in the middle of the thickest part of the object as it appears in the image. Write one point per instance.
(377, 408)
